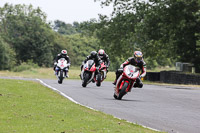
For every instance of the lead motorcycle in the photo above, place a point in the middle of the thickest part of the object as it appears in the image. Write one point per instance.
(90, 73)
(61, 69)
(126, 81)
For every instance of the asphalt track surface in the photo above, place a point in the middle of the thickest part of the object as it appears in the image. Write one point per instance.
(173, 109)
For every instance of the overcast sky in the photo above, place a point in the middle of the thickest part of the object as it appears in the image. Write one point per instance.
(66, 10)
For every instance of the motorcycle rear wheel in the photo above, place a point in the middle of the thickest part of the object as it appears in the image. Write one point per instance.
(98, 79)
(123, 90)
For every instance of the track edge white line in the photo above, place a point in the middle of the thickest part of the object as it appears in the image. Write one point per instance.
(71, 99)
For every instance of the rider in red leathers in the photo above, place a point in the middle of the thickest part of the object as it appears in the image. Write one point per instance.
(136, 60)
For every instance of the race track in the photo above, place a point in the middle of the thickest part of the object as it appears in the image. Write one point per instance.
(174, 109)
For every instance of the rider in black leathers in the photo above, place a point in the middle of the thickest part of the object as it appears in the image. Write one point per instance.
(138, 61)
(104, 57)
(93, 56)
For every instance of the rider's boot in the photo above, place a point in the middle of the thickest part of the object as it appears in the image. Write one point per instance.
(55, 73)
(66, 73)
(139, 83)
(114, 82)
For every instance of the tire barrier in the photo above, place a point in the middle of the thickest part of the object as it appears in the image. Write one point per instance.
(174, 77)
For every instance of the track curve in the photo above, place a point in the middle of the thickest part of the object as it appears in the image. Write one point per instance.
(173, 109)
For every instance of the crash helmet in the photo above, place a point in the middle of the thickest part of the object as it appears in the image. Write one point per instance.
(138, 56)
(64, 52)
(101, 52)
(93, 54)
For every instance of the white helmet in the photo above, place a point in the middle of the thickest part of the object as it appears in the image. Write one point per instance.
(64, 52)
(101, 52)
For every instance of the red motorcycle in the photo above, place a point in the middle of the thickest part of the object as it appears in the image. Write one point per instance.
(90, 73)
(102, 74)
(126, 81)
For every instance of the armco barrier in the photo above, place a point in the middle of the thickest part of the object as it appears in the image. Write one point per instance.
(153, 76)
(174, 77)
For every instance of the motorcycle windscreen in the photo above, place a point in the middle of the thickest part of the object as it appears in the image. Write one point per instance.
(62, 63)
(131, 72)
(88, 64)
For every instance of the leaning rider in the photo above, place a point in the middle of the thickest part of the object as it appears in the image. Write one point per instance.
(136, 60)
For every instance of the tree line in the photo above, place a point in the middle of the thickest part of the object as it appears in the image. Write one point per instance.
(165, 31)
(26, 36)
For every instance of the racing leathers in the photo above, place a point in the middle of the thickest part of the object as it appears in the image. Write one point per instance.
(141, 65)
(106, 60)
(96, 60)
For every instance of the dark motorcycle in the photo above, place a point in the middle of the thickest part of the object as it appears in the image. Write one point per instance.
(90, 73)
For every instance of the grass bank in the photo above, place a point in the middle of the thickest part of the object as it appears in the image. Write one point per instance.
(27, 106)
(48, 73)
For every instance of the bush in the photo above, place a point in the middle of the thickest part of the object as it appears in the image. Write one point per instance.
(25, 66)
(7, 56)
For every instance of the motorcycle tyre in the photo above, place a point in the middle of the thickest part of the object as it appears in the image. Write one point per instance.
(85, 80)
(61, 77)
(115, 96)
(123, 91)
(98, 80)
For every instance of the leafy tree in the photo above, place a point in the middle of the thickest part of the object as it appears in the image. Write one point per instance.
(81, 46)
(66, 29)
(25, 29)
(164, 30)
(7, 56)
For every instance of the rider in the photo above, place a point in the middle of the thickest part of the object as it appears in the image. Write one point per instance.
(104, 57)
(93, 56)
(63, 54)
(136, 60)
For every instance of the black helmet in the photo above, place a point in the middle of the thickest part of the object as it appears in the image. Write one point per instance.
(93, 54)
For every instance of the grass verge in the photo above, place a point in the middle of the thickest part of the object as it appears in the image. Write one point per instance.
(27, 106)
(48, 73)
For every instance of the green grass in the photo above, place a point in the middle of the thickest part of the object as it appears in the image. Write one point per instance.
(29, 107)
(48, 73)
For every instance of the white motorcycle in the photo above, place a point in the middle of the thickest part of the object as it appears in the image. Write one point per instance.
(61, 69)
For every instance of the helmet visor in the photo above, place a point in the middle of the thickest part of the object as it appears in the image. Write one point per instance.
(139, 59)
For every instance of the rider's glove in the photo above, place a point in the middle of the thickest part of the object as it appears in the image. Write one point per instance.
(55, 63)
(97, 67)
(140, 77)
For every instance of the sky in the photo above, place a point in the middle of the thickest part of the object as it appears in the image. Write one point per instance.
(66, 10)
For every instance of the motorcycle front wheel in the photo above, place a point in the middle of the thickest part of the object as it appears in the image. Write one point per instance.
(122, 92)
(60, 79)
(85, 79)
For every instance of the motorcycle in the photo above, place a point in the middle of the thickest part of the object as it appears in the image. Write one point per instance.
(102, 70)
(126, 81)
(61, 69)
(90, 73)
